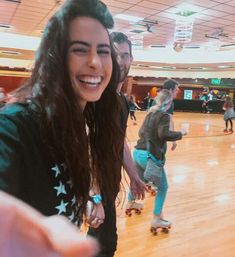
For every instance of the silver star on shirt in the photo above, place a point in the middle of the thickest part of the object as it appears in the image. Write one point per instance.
(60, 189)
(61, 207)
(56, 170)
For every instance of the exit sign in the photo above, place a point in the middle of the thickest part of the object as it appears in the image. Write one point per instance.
(215, 81)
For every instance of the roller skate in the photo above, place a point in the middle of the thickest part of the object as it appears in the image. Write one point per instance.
(157, 224)
(133, 206)
(228, 131)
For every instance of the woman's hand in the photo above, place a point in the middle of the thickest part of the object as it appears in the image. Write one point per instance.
(25, 233)
(184, 131)
(138, 187)
(95, 214)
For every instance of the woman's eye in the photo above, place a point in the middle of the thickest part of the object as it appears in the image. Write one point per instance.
(79, 50)
(103, 52)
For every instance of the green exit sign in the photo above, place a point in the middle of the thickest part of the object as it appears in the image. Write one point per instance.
(215, 81)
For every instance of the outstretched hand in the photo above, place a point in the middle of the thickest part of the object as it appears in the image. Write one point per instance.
(25, 233)
(138, 188)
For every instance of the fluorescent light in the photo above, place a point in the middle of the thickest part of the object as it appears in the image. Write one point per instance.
(5, 26)
(17, 41)
(16, 63)
(128, 17)
(4, 52)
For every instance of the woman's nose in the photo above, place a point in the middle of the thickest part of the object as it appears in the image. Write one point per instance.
(94, 60)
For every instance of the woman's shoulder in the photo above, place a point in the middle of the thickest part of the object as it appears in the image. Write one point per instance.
(13, 109)
(18, 112)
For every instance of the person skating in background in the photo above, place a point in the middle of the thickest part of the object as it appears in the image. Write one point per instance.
(229, 114)
(151, 149)
(132, 108)
(173, 86)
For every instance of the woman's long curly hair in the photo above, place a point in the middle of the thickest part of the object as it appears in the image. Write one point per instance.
(162, 100)
(88, 158)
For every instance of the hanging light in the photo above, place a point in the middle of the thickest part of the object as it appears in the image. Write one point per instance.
(183, 30)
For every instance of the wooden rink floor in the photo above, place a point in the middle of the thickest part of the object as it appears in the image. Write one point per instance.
(201, 196)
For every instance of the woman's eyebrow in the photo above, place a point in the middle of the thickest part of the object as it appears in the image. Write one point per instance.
(79, 42)
(88, 44)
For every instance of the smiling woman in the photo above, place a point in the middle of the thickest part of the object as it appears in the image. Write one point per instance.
(89, 59)
(55, 138)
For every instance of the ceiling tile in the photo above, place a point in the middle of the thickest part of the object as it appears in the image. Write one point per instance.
(137, 14)
(230, 17)
(221, 1)
(115, 10)
(143, 10)
(167, 2)
(214, 13)
(225, 8)
(203, 3)
(124, 1)
(118, 4)
(232, 3)
(152, 5)
(223, 21)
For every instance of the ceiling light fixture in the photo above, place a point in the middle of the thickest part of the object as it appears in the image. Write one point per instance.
(14, 1)
(183, 31)
(185, 13)
(17, 41)
(4, 52)
(5, 26)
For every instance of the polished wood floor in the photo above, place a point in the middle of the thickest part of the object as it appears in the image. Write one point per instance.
(201, 196)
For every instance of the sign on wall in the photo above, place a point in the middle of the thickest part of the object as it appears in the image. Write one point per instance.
(188, 94)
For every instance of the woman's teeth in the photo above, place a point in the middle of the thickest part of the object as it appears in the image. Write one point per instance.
(90, 80)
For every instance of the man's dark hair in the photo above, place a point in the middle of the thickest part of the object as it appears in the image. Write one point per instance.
(170, 84)
(119, 38)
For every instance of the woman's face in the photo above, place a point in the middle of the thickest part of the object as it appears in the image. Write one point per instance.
(89, 59)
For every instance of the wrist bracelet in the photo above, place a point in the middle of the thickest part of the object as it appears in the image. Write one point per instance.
(96, 199)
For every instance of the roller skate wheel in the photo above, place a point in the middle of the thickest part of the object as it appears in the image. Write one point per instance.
(128, 213)
(153, 231)
(165, 230)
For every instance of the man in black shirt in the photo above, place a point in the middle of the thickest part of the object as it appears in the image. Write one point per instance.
(107, 232)
(123, 49)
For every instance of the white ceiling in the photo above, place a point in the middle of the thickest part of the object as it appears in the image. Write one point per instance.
(29, 18)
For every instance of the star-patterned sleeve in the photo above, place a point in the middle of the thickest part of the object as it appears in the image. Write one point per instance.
(10, 155)
(67, 204)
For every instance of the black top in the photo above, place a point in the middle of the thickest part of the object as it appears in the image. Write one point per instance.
(124, 110)
(155, 132)
(26, 169)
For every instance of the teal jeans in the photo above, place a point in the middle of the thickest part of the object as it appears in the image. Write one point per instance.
(140, 158)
